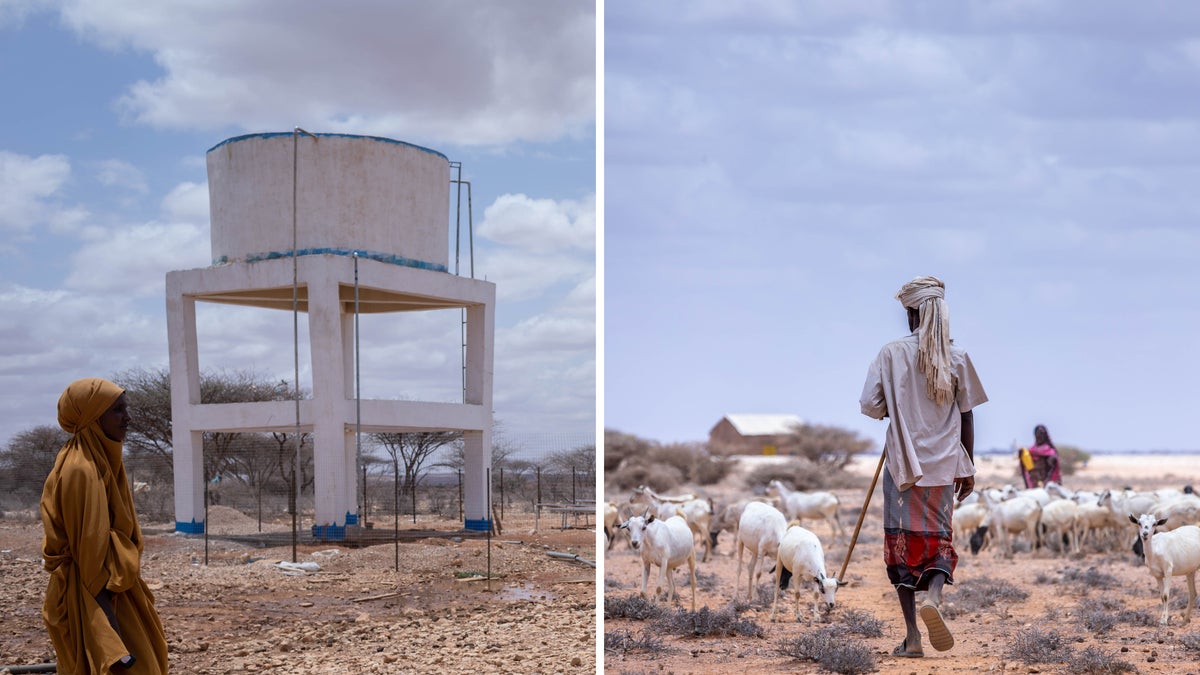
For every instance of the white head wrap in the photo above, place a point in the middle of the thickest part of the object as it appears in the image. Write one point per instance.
(927, 296)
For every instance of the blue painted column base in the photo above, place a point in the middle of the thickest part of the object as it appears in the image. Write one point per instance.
(189, 528)
(480, 525)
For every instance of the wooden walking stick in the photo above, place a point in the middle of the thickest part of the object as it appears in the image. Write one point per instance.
(841, 577)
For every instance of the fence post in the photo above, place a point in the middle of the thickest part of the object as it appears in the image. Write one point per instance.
(539, 485)
(573, 501)
(460, 496)
(414, 498)
(501, 492)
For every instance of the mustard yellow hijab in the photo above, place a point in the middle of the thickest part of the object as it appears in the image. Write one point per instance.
(92, 542)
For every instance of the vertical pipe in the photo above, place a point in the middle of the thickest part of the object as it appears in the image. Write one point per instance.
(501, 492)
(396, 515)
(489, 530)
(358, 402)
(460, 496)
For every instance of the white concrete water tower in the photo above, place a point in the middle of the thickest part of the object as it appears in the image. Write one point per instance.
(370, 202)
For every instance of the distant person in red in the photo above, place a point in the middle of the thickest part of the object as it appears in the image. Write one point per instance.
(1046, 466)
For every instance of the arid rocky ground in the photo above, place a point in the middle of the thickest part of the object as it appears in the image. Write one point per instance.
(242, 613)
(1102, 607)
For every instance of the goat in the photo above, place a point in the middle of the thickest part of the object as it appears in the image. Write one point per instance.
(1012, 516)
(612, 516)
(967, 519)
(1170, 554)
(695, 511)
(666, 543)
(1180, 511)
(800, 555)
(759, 529)
(1061, 517)
(798, 506)
(726, 518)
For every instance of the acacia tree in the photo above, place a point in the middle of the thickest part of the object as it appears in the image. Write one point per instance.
(826, 446)
(27, 460)
(412, 451)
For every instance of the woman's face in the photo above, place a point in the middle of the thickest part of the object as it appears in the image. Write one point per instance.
(115, 421)
(1040, 435)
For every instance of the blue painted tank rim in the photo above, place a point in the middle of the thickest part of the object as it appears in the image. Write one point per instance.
(276, 134)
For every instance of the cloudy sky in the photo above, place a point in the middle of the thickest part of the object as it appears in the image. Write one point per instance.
(775, 171)
(109, 109)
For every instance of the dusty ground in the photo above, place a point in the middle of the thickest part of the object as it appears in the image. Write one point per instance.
(1056, 588)
(242, 613)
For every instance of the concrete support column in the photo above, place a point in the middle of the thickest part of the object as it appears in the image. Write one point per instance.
(334, 486)
(187, 445)
(477, 445)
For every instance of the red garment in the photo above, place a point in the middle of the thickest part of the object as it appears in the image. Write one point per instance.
(1046, 466)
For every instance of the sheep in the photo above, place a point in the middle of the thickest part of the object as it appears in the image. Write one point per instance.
(666, 543)
(1012, 516)
(799, 505)
(1170, 554)
(759, 529)
(695, 511)
(800, 555)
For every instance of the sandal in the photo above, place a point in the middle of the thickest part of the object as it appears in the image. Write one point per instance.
(939, 634)
(902, 651)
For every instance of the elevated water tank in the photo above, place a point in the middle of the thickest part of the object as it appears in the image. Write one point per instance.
(386, 199)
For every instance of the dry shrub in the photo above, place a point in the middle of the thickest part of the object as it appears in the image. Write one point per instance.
(623, 641)
(1190, 641)
(799, 473)
(1102, 614)
(708, 623)
(1034, 645)
(1094, 661)
(620, 446)
(831, 648)
(862, 623)
(979, 594)
(631, 607)
(657, 477)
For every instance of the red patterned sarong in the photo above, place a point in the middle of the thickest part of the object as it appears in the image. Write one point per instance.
(917, 533)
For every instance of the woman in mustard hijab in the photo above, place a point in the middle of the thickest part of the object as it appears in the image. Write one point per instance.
(99, 612)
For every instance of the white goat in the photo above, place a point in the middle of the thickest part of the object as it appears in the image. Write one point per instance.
(967, 519)
(1170, 554)
(726, 519)
(800, 555)
(1180, 511)
(798, 506)
(1010, 517)
(666, 543)
(1061, 517)
(760, 529)
(695, 511)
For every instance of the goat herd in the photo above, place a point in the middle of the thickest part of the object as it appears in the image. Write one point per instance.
(666, 531)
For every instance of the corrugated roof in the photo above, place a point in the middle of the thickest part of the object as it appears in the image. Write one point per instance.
(754, 424)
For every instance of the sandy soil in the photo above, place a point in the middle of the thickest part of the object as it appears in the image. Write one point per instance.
(1058, 589)
(243, 613)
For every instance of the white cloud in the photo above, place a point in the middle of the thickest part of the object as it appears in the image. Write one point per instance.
(461, 72)
(541, 225)
(29, 191)
(187, 202)
(117, 173)
(136, 259)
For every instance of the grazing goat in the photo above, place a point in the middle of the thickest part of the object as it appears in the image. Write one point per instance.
(759, 530)
(666, 543)
(695, 511)
(798, 506)
(1170, 554)
(800, 555)
(967, 519)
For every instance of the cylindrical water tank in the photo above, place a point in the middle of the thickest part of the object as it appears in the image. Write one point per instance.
(385, 199)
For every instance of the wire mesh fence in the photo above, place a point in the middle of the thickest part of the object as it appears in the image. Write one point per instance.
(413, 484)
